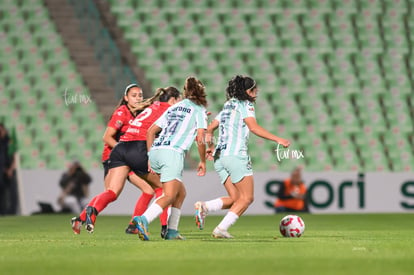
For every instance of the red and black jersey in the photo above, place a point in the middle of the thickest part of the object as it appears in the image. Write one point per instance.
(138, 128)
(120, 120)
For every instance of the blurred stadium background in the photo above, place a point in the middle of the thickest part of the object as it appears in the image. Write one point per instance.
(335, 76)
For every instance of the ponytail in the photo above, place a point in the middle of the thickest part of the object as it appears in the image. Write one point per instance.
(194, 90)
(161, 94)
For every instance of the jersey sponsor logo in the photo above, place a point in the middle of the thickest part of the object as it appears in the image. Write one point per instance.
(119, 113)
(162, 143)
(182, 109)
(229, 107)
(132, 130)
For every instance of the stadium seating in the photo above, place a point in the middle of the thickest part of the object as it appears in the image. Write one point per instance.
(333, 75)
(38, 86)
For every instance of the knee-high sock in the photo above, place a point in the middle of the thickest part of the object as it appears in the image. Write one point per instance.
(228, 220)
(214, 205)
(174, 218)
(103, 199)
(164, 214)
(82, 215)
(142, 204)
(153, 211)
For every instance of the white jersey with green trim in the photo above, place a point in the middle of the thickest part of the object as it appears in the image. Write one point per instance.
(233, 131)
(179, 126)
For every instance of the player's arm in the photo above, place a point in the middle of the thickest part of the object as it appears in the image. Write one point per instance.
(263, 133)
(209, 138)
(109, 136)
(151, 133)
(210, 131)
(201, 146)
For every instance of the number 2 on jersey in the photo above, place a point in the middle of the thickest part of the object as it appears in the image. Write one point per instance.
(142, 116)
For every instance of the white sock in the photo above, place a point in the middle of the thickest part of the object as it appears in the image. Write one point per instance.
(214, 205)
(174, 218)
(153, 211)
(228, 220)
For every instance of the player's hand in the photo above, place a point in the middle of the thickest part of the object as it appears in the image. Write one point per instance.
(284, 142)
(149, 168)
(209, 154)
(201, 169)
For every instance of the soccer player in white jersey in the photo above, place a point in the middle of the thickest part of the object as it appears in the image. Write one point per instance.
(177, 128)
(231, 157)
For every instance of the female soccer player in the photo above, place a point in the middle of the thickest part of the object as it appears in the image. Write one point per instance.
(231, 157)
(118, 123)
(177, 128)
(131, 154)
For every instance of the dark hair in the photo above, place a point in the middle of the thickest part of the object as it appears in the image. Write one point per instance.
(164, 94)
(122, 101)
(161, 94)
(194, 90)
(238, 86)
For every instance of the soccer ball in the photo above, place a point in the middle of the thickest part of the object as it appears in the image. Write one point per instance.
(292, 226)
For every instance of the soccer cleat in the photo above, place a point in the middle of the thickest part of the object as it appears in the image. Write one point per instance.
(90, 218)
(173, 235)
(131, 229)
(76, 225)
(200, 214)
(221, 234)
(141, 224)
(164, 230)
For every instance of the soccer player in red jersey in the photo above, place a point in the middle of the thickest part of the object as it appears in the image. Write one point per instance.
(118, 123)
(130, 154)
(124, 114)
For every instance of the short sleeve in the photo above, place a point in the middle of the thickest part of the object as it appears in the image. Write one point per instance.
(117, 120)
(162, 121)
(201, 119)
(247, 110)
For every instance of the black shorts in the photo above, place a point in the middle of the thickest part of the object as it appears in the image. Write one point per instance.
(132, 154)
(105, 167)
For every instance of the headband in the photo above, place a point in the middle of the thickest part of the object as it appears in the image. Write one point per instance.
(254, 84)
(129, 87)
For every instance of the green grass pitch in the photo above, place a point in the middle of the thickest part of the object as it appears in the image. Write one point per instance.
(332, 244)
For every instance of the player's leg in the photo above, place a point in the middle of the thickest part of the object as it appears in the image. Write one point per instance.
(154, 181)
(171, 189)
(136, 158)
(78, 221)
(241, 174)
(115, 181)
(169, 165)
(203, 208)
(142, 202)
(174, 220)
(245, 189)
(164, 215)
